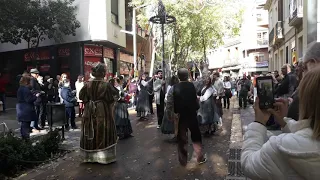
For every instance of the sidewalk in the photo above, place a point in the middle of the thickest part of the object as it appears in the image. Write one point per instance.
(241, 119)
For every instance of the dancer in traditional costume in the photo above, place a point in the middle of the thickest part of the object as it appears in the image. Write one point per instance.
(170, 126)
(121, 114)
(98, 137)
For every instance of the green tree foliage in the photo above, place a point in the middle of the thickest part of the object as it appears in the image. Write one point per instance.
(36, 20)
(200, 25)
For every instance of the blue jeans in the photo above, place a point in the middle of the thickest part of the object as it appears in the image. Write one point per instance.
(70, 114)
(3, 99)
(25, 130)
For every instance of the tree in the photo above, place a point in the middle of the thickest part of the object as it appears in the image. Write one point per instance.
(36, 20)
(200, 25)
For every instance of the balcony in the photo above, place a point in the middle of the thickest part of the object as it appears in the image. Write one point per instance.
(296, 12)
(271, 37)
(262, 42)
(278, 32)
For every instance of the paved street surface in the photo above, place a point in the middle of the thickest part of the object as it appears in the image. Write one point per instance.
(147, 156)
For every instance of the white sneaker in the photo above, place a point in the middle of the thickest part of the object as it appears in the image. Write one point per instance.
(158, 127)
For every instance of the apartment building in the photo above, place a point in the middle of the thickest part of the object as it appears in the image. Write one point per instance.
(286, 32)
(99, 39)
(247, 53)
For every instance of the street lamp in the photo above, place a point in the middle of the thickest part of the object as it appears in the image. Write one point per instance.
(162, 18)
(134, 34)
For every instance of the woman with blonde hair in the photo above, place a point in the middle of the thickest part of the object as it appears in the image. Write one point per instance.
(294, 154)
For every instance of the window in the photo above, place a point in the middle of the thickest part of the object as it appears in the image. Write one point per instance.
(114, 11)
(259, 35)
(259, 17)
(265, 36)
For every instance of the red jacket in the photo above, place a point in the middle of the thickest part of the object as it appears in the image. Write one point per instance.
(3, 84)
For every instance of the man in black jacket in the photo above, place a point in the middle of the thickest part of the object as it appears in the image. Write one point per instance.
(39, 103)
(183, 98)
(289, 83)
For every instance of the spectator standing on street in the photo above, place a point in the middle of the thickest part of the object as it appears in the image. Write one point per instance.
(288, 84)
(227, 91)
(245, 86)
(3, 84)
(36, 89)
(63, 78)
(310, 60)
(25, 106)
(293, 154)
(51, 90)
(79, 85)
(183, 97)
(69, 99)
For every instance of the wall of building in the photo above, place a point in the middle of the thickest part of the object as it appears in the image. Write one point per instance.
(294, 43)
(96, 25)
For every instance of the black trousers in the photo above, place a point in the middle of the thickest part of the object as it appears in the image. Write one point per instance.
(187, 122)
(41, 111)
(160, 112)
(226, 102)
(243, 99)
(150, 103)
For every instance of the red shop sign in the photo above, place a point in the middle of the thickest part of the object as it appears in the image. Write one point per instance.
(92, 51)
(41, 55)
(108, 53)
(64, 52)
(89, 62)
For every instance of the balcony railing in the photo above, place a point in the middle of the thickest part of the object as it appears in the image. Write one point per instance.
(262, 42)
(296, 12)
(271, 37)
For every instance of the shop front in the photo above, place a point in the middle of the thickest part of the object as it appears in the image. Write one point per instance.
(92, 56)
(109, 60)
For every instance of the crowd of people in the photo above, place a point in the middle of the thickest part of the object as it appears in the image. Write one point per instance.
(184, 105)
(294, 154)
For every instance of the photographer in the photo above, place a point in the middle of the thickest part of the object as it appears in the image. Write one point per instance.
(293, 154)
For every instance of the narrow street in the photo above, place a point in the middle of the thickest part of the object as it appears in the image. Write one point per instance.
(148, 155)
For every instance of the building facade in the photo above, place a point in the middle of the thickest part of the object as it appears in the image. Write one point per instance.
(248, 53)
(288, 31)
(99, 39)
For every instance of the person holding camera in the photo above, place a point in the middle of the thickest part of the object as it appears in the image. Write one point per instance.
(293, 154)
